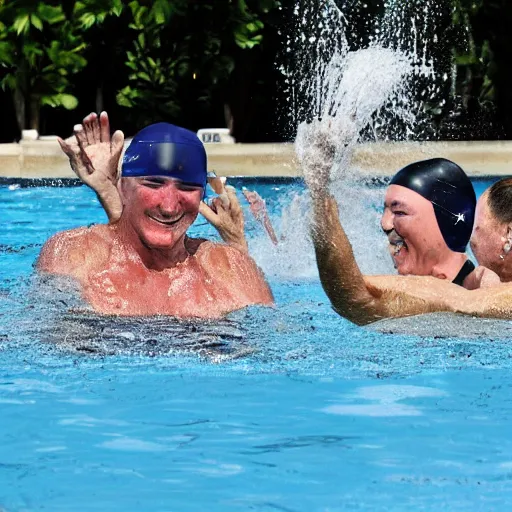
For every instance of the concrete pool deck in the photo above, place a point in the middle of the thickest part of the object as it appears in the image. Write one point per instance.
(44, 159)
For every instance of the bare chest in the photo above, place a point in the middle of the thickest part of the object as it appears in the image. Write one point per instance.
(187, 290)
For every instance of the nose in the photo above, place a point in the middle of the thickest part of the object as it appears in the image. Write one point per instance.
(386, 221)
(170, 199)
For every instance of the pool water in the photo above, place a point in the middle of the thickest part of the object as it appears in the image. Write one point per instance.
(289, 408)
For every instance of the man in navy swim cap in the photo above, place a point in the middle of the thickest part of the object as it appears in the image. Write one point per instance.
(144, 263)
(428, 217)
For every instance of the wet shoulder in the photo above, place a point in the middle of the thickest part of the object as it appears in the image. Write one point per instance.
(235, 270)
(67, 250)
(221, 256)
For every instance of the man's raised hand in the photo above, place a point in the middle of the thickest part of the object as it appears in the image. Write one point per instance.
(94, 157)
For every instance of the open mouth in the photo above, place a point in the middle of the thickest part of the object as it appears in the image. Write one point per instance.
(396, 244)
(166, 222)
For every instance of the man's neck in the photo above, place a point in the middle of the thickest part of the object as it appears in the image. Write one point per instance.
(151, 258)
(450, 266)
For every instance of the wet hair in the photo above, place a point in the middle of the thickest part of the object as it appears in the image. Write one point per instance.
(451, 193)
(499, 199)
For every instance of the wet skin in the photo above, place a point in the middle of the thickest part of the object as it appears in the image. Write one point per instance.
(145, 264)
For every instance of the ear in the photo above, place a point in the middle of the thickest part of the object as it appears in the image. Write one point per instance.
(507, 246)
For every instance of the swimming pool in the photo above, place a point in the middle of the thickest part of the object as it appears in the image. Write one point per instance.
(289, 408)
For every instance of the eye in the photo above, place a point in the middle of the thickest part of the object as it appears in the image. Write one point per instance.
(152, 183)
(399, 213)
(187, 187)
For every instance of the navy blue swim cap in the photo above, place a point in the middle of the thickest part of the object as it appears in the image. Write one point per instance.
(451, 193)
(163, 149)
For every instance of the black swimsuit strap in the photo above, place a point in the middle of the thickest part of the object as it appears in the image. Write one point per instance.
(464, 272)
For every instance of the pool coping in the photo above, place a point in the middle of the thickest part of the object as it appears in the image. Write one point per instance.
(44, 159)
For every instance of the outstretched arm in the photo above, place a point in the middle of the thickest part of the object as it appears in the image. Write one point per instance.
(365, 299)
(339, 273)
(94, 157)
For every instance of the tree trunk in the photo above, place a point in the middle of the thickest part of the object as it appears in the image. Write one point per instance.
(34, 112)
(19, 107)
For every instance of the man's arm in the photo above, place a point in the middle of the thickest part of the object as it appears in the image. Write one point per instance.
(340, 275)
(366, 299)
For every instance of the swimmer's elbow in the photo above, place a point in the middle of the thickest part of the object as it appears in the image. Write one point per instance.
(360, 309)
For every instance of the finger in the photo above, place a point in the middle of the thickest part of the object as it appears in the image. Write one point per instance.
(85, 128)
(95, 127)
(66, 148)
(234, 203)
(81, 137)
(116, 149)
(225, 201)
(217, 205)
(217, 184)
(85, 157)
(208, 214)
(104, 127)
(71, 142)
(88, 123)
(117, 143)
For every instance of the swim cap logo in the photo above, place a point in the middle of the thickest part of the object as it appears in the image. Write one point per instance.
(460, 218)
(129, 159)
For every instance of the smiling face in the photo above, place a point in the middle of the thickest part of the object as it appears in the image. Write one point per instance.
(159, 210)
(415, 240)
(488, 236)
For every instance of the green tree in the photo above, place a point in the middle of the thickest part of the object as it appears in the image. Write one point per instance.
(42, 47)
(39, 52)
(185, 50)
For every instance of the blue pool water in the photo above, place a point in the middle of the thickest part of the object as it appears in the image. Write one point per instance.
(282, 409)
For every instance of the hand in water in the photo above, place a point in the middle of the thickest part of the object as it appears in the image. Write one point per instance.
(225, 214)
(94, 157)
(319, 144)
(315, 149)
(259, 210)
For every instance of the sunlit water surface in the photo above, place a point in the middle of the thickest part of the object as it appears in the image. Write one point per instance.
(288, 408)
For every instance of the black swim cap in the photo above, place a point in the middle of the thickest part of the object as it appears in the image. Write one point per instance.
(451, 193)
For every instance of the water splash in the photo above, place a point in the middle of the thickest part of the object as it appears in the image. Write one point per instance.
(355, 87)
